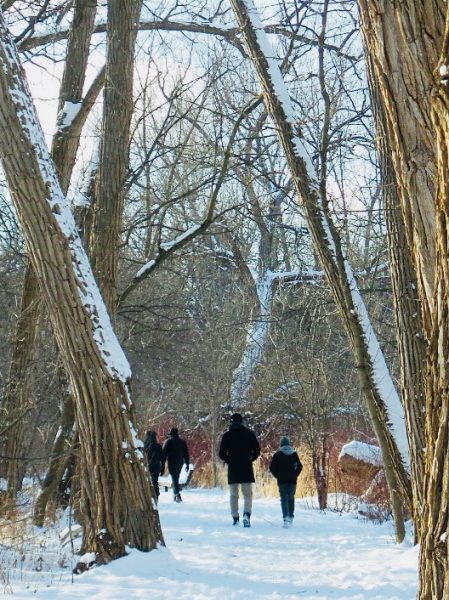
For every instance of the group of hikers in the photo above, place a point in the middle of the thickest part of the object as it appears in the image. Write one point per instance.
(174, 452)
(239, 448)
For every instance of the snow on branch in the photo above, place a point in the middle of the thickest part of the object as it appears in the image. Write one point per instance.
(337, 267)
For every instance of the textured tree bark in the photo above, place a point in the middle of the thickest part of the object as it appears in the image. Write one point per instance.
(434, 559)
(410, 338)
(114, 152)
(336, 269)
(403, 38)
(409, 43)
(116, 498)
(18, 397)
(19, 387)
(319, 465)
(66, 141)
(409, 326)
(58, 460)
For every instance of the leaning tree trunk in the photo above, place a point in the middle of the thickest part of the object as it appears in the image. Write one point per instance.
(18, 392)
(116, 499)
(383, 404)
(409, 326)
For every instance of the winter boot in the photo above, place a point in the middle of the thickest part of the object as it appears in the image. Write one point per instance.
(286, 524)
(235, 520)
(177, 498)
(246, 520)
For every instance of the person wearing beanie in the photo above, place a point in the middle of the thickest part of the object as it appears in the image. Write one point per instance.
(153, 451)
(175, 453)
(286, 467)
(239, 448)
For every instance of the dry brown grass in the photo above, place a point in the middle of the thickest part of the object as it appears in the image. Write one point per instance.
(339, 483)
(266, 484)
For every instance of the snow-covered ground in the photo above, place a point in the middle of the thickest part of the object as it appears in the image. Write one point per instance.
(324, 556)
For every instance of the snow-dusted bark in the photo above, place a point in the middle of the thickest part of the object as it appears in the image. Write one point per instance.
(18, 397)
(115, 505)
(383, 402)
(256, 338)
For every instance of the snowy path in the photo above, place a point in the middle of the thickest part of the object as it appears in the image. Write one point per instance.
(324, 557)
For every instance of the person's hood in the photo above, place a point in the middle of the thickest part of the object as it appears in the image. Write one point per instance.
(151, 436)
(236, 425)
(287, 450)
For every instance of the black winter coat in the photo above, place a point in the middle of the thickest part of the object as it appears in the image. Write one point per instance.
(154, 456)
(239, 448)
(175, 453)
(285, 465)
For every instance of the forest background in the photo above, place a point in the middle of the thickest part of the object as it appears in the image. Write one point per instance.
(233, 284)
(187, 326)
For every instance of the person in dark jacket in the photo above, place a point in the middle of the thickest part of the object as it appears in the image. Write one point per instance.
(155, 459)
(239, 448)
(286, 467)
(175, 453)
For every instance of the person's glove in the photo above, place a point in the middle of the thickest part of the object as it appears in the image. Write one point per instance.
(187, 468)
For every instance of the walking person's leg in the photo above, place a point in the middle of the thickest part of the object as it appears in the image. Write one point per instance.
(234, 501)
(291, 501)
(175, 483)
(247, 490)
(155, 482)
(283, 495)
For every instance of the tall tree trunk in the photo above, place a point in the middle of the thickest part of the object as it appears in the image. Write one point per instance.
(116, 499)
(404, 40)
(368, 355)
(320, 472)
(60, 456)
(114, 152)
(18, 398)
(409, 326)
(65, 145)
(256, 338)
(65, 440)
(434, 560)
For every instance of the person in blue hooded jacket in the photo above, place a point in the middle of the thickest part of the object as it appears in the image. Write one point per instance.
(286, 467)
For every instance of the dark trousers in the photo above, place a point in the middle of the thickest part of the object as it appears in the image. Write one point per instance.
(287, 492)
(155, 481)
(175, 480)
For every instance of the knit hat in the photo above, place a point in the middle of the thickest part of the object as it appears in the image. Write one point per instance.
(236, 418)
(285, 441)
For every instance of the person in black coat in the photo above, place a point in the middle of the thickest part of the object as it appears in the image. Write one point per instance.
(239, 448)
(175, 453)
(155, 459)
(286, 467)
